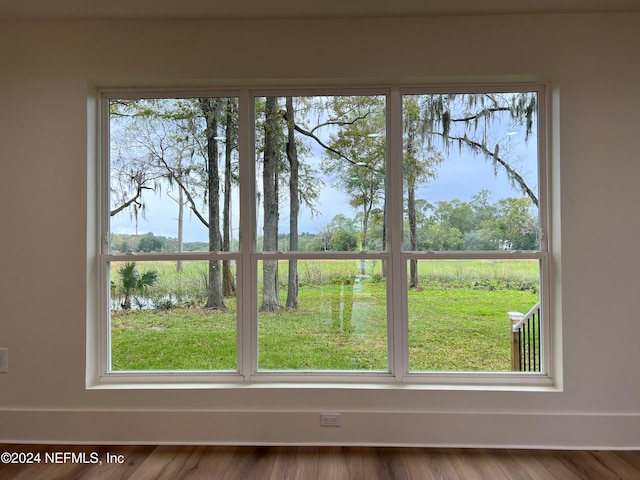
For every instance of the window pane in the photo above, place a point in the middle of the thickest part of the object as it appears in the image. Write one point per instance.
(173, 173)
(320, 173)
(471, 172)
(159, 319)
(340, 322)
(459, 313)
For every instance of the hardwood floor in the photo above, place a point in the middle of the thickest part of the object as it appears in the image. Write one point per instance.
(307, 463)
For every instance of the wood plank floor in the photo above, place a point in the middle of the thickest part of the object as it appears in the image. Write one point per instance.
(308, 463)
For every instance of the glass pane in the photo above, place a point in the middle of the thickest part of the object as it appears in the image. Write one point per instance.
(320, 173)
(165, 316)
(471, 172)
(459, 313)
(339, 321)
(173, 173)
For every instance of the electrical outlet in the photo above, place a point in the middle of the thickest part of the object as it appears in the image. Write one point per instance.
(4, 360)
(330, 419)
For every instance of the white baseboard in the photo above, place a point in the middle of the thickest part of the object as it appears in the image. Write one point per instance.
(492, 430)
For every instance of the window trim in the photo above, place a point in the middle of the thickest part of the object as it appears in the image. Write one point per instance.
(247, 256)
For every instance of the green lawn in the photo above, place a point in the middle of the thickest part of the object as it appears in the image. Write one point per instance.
(463, 329)
(176, 339)
(457, 321)
(336, 327)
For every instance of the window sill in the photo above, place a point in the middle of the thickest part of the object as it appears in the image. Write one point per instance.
(499, 382)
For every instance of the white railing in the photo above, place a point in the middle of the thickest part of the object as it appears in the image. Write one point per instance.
(525, 340)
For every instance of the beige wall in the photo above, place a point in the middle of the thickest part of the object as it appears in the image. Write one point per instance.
(46, 72)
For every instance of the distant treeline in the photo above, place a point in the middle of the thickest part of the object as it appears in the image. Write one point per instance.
(479, 224)
(149, 242)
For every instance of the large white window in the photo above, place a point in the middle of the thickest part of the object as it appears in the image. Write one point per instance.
(373, 235)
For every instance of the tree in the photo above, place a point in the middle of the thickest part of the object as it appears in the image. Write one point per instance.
(443, 237)
(358, 125)
(464, 120)
(133, 171)
(284, 174)
(163, 133)
(343, 240)
(419, 165)
(356, 156)
(152, 243)
(180, 174)
(211, 111)
(270, 298)
(230, 142)
(220, 116)
(133, 282)
(516, 225)
(481, 225)
(339, 235)
(294, 202)
(182, 138)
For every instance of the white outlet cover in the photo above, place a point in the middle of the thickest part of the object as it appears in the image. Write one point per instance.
(330, 419)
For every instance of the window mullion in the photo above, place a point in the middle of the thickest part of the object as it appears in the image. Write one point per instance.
(104, 331)
(397, 296)
(246, 295)
(543, 155)
(105, 177)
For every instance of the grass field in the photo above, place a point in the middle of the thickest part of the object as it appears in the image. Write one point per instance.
(457, 319)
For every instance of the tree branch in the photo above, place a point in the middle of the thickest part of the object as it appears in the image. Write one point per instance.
(330, 149)
(483, 113)
(192, 203)
(131, 201)
(340, 123)
(511, 173)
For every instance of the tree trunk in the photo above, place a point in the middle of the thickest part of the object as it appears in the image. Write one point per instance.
(413, 235)
(270, 299)
(180, 226)
(294, 208)
(228, 286)
(210, 108)
(365, 226)
(411, 174)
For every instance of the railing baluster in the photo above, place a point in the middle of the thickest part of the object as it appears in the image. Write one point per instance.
(539, 347)
(534, 318)
(521, 346)
(526, 340)
(529, 346)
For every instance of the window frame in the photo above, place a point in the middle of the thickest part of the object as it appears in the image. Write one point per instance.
(247, 256)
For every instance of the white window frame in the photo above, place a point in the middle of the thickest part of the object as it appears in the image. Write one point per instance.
(247, 257)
